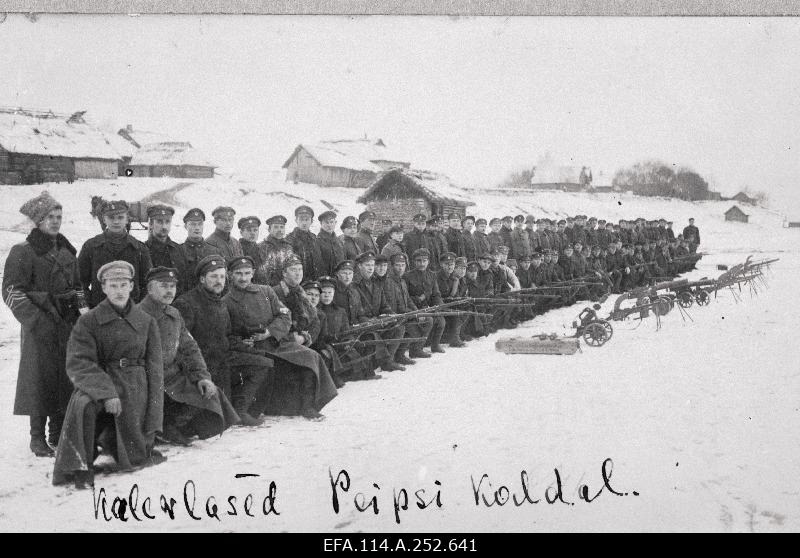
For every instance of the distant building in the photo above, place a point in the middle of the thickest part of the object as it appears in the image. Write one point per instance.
(42, 146)
(548, 175)
(401, 193)
(736, 214)
(170, 158)
(347, 163)
(713, 196)
(741, 197)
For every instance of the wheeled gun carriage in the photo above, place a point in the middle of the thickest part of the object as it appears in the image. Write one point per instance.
(660, 298)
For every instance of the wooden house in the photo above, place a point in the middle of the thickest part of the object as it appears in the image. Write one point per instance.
(736, 214)
(42, 146)
(346, 163)
(401, 193)
(177, 159)
(742, 197)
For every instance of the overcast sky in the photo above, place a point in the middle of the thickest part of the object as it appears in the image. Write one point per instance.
(474, 97)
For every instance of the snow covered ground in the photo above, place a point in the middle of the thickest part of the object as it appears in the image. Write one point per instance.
(700, 418)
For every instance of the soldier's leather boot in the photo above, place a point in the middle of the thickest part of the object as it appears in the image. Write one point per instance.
(391, 366)
(172, 435)
(400, 358)
(248, 420)
(54, 430)
(422, 353)
(38, 444)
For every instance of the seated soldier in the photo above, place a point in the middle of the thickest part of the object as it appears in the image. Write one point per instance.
(192, 403)
(310, 380)
(340, 362)
(235, 367)
(400, 302)
(375, 306)
(448, 285)
(114, 361)
(348, 299)
(302, 384)
(424, 292)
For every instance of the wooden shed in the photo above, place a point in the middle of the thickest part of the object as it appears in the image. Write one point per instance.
(742, 197)
(736, 214)
(345, 163)
(177, 159)
(41, 146)
(399, 194)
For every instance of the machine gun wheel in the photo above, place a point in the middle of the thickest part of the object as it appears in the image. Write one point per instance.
(685, 299)
(702, 298)
(595, 334)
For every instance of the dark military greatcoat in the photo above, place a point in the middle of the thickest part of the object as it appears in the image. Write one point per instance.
(105, 248)
(113, 354)
(42, 289)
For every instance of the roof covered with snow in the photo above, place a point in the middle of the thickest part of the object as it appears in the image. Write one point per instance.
(359, 154)
(433, 186)
(170, 153)
(143, 137)
(45, 133)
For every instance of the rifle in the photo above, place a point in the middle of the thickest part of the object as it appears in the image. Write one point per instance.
(454, 314)
(373, 342)
(384, 322)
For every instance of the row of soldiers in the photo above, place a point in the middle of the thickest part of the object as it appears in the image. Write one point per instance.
(242, 327)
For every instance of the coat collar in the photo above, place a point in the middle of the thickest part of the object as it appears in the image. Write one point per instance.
(156, 309)
(238, 294)
(105, 313)
(42, 244)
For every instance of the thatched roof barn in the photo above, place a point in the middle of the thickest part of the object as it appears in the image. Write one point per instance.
(42, 146)
(348, 163)
(171, 158)
(399, 194)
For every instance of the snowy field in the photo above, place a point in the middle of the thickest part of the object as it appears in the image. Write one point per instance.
(700, 417)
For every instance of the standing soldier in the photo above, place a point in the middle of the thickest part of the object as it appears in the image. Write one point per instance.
(331, 249)
(505, 230)
(395, 243)
(248, 237)
(691, 234)
(416, 238)
(237, 368)
(383, 238)
(304, 243)
(366, 222)
(221, 239)
(455, 240)
(482, 244)
(495, 238)
(436, 244)
(42, 289)
(164, 252)
(424, 291)
(192, 404)
(195, 248)
(273, 251)
(349, 238)
(520, 240)
(113, 244)
(467, 223)
(115, 363)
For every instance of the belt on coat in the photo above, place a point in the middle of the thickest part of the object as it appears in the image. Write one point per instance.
(127, 362)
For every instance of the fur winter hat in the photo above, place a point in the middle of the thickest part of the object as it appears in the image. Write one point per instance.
(38, 208)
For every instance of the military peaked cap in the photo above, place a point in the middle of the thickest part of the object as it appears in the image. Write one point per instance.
(249, 222)
(161, 273)
(160, 210)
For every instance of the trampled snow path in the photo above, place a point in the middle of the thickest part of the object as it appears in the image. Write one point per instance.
(700, 419)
